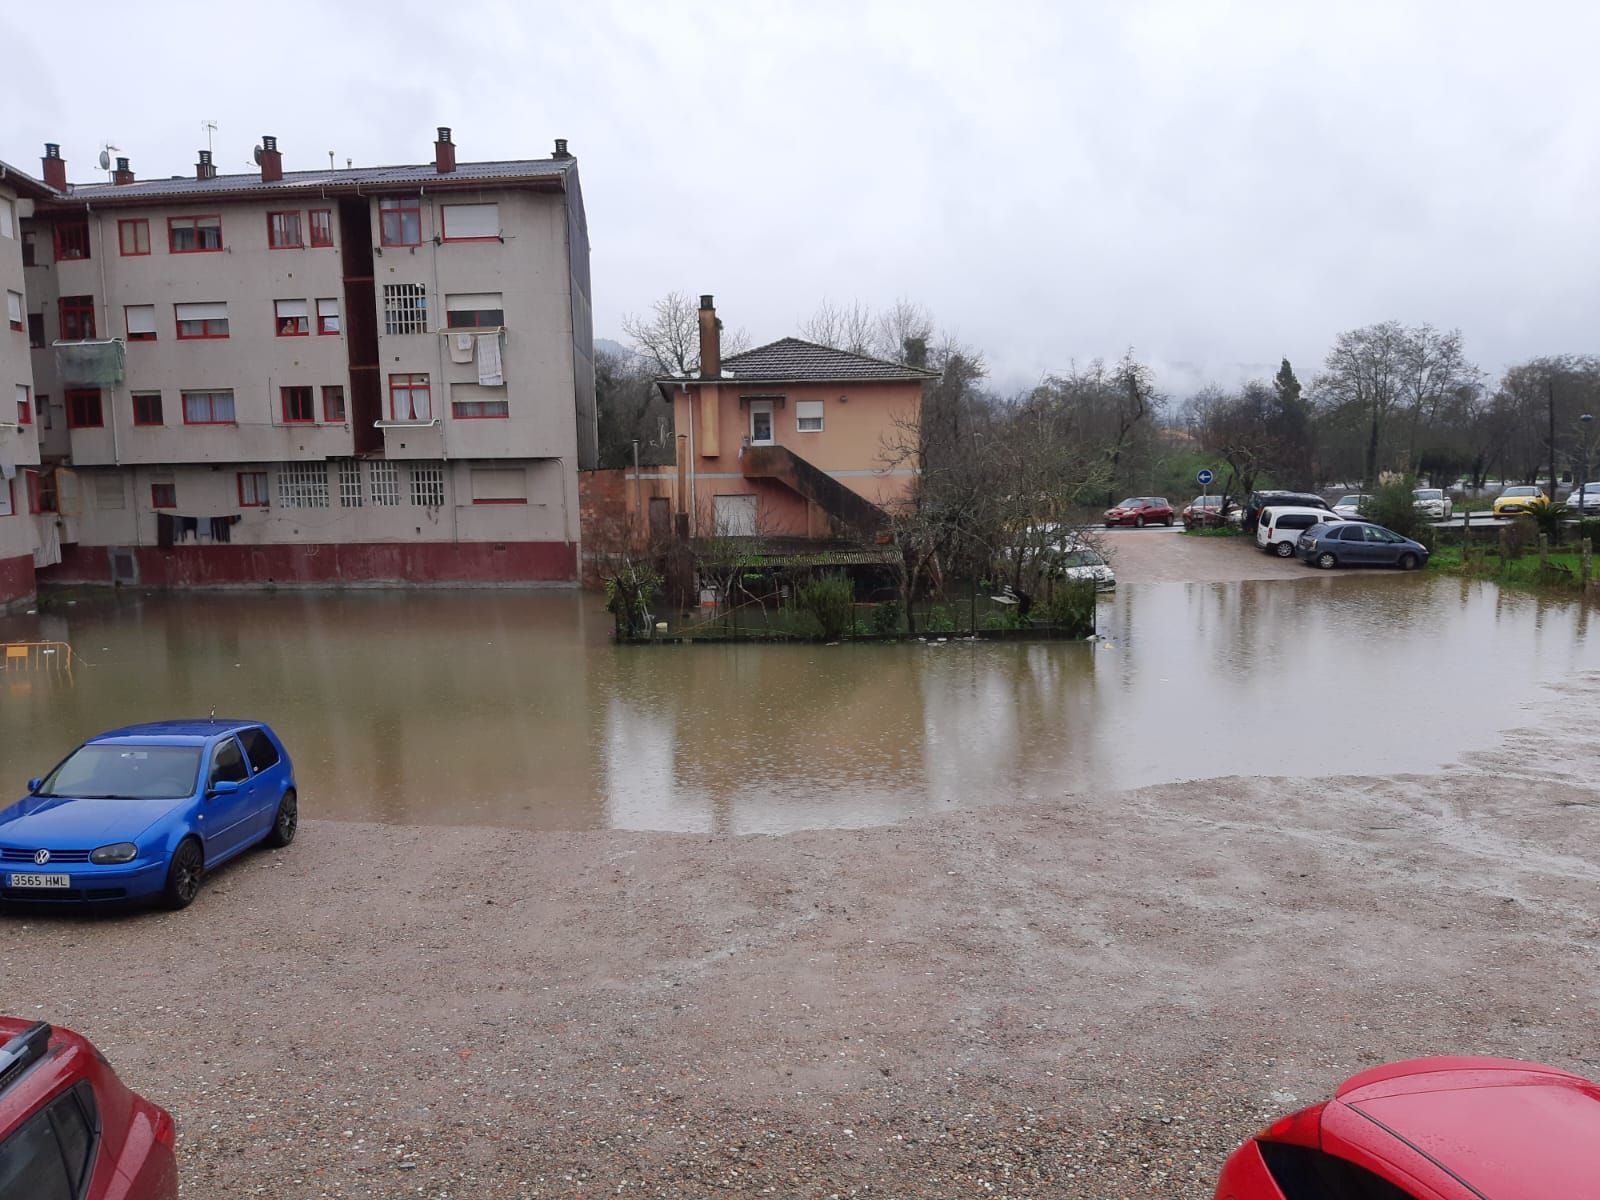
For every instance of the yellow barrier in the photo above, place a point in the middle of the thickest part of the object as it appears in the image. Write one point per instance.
(36, 656)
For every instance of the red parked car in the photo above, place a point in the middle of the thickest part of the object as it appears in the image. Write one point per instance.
(70, 1129)
(1431, 1129)
(1141, 511)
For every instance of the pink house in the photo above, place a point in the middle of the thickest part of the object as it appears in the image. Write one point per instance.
(791, 439)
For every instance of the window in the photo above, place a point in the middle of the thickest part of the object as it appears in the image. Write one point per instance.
(470, 401)
(808, 416)
(133, 237)
(147, 408)
(8, 499)
(193, 235)
(208, 408)
(14, 310)
(292, 316)
(77, 318)
(470, 222)
(36, 330)
(32, 1158)
(283, 231)
(259, 749)
(163, 495)
(349, 483)
(1305, 1174)
(253, 489)
(405, 308)
(400, 221)
(761, 423)
(327, 317)
(333, 404)
(208, 320)
(385, 480)
(24, 405)
(140, 320)
(427, 485)
(30, 253)
(41, 491)
(303, 485)
(108, 492)
(474, 310)
(409, 399)
(72, 238)
(499, 485)
(321, 226)
(298, 407)
(228, 765)
(83, 409)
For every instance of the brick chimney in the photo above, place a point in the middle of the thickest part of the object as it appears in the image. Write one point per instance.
(55, 167)
(123, 175)
(271, 160)
(710, 340)
(444, 152)
(561, 149)
(205, 168)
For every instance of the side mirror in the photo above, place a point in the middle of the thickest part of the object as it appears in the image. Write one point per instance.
(33, 786)
(223, 787)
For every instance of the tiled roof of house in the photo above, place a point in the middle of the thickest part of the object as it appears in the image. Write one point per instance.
(22, 183)
(513, 172)
(790, 360)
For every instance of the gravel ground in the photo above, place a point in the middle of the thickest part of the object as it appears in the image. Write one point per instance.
(1161, 555)
(1097, 997)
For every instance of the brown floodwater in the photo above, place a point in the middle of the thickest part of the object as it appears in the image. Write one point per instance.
(512, 708)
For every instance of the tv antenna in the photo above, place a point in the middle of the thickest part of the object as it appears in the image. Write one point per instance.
(105, 155)
(209, 127)
(256, 154)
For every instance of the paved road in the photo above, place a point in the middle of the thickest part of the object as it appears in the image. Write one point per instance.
(1162, 556)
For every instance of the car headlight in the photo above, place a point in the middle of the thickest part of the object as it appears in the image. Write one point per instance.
(117, 852)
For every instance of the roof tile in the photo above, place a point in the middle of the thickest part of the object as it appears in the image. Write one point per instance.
(793, 360)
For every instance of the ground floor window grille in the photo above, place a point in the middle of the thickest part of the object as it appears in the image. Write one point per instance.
(427, 485)
(385, 480)
(303, 485)
(349, 483)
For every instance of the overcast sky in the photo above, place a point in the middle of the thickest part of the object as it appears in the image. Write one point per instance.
(1216, 184)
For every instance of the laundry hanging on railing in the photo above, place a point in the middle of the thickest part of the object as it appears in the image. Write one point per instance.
(460, 347)
(173, 530)
(490, 373)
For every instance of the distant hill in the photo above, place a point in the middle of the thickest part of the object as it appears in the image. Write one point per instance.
(613, 347)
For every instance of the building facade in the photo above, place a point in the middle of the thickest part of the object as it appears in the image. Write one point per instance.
(19, 436)
(340, 377)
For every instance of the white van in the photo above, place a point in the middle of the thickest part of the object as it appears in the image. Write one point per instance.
(1279, 528)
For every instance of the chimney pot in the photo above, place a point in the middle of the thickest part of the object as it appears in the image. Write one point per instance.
(444, 152)
(271, 159)
(205, 168)
(561, 149)
(710, 340)
(123, 175)
(55, 167)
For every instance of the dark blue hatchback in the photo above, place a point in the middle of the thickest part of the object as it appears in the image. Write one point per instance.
(142, 813)
(1359, 544)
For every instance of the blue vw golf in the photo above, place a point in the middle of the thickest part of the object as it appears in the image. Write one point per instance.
(142, 813)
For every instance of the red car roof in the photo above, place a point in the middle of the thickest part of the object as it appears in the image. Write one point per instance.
(1508, 1130)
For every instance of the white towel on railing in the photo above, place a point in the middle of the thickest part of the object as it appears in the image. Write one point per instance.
(489, 371)
(460, 347)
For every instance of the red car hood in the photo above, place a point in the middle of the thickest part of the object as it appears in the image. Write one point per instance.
(1508, 1133)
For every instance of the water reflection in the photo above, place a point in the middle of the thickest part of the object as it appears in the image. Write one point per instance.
(506, 708)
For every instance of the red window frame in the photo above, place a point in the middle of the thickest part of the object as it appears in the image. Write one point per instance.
(42, 492)
(133, 225)
(85, 408)
(293, 398)
(71, 239)
(77, 318)
(321, 222)
(258, 487)
(208, 332)
(143, 414)
(138, 337)
(163, 495)
(193, 223)
(25, 406)
(331, 414)
(398, 207)
(278, 230)
(322, 329)
(410, 386)
(211, 406)
(458, 413)
(291, 326)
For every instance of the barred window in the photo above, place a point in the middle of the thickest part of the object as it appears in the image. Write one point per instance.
(303, 485)
(427, 485)
(385, 480)
(405, 308)
(349, 483)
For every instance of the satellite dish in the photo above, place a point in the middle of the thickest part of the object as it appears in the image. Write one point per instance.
(105, 160)
(256, 154)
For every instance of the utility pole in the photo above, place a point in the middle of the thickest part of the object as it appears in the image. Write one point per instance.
(1551, 385)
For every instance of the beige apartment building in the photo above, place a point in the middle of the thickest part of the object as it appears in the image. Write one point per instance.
(331, 377)
(19, 439)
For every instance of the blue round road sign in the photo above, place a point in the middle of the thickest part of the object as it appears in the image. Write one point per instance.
(1205, 477)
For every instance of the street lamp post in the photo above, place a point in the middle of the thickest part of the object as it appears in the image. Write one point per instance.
(1587, 419)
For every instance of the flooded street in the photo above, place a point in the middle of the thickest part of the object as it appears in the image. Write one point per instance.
(513, 709)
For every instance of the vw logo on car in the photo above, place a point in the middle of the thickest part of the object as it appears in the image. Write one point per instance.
(41, 857)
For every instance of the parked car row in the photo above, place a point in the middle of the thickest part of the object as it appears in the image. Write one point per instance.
(1329, 540)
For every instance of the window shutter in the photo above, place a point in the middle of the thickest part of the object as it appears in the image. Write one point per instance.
(327, 308)
(142, 318)
(473, 301)
(471, 221)
(499, 483)
(203, 312)
(292, 308)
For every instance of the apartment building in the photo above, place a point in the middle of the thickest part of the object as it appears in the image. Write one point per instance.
(19, 439)
(329, 377)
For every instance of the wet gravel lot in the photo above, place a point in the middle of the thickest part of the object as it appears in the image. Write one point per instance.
(1097, 996)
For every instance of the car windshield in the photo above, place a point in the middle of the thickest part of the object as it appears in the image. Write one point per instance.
(1081, 558)
(1522, 491)
(112, 772)
(1429, 494)
(1131, 502)
(1206, 502)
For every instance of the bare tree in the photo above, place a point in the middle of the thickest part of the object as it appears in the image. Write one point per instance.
(851, 327)
(899, 327)
(669, 336)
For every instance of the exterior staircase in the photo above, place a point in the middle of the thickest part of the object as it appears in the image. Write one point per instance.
(848, 508)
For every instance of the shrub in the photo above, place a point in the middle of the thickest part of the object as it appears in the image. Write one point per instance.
(1070, 607)
(939, 621)
(1551, 521)
(628, 594)
(886, 617)
(830, 601)
(1589, 528)
(1394, 507)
